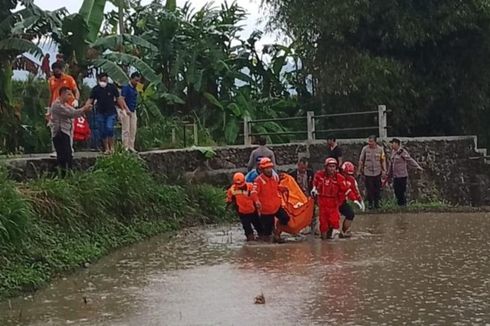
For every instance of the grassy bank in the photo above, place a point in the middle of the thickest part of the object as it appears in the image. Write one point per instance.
(53, 225)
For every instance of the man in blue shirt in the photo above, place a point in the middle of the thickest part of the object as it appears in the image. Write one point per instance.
(129, 120)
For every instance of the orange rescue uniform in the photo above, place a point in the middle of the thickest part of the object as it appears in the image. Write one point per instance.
(267, 191)
(242, 197)
(55, 85)
(331, 189)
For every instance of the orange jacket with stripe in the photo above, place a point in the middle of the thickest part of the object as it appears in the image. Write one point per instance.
(267, 191)
(242, 197)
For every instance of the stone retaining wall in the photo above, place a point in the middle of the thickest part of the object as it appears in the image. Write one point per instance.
(449, 173)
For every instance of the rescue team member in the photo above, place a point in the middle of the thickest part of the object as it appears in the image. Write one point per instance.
(58, 80)
(372, 165)
(254, 173)
(261, 151)
(348, 170)
(333, 150)
(303, 176)
(398, 171)
(267, 197)
(62, 114)
(240, 194)
(106, 95)
(329, 186)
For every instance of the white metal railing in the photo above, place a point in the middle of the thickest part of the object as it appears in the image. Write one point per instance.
(311, 120)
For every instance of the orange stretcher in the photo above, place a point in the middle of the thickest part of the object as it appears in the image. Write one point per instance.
(299, 207)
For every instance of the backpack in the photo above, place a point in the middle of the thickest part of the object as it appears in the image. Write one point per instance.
(81, 129)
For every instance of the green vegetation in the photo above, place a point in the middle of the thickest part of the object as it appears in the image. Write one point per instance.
(54, 225)
(428, 61)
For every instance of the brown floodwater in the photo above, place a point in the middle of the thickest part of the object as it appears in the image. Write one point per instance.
(397, 269)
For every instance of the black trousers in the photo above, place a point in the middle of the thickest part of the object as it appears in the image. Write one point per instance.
(346, 210)
(64, 155)
(268, 220)
(400, 187)
(373, 188)
(249, 220)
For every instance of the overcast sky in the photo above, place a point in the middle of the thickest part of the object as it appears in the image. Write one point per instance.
(256, 18)
(255, 21)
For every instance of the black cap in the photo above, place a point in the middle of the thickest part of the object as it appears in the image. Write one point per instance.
(395, 140)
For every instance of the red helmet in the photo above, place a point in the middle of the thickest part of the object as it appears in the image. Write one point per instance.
(239, 178)
(265, 163)
(348, 167)
(330, 160)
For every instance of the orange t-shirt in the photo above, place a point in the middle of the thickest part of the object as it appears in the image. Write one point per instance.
(266, 191)
(55, 85)
(242, 197)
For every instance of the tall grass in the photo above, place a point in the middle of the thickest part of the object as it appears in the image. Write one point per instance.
(52, 225)
(14, 210)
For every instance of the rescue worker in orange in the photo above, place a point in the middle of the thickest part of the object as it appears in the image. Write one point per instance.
(348, 171)
(330, 187)
(267, 194)
(240, 195)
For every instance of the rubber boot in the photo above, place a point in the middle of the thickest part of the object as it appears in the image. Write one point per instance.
(329, 233)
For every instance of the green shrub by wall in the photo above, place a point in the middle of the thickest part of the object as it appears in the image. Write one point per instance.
(53, 225)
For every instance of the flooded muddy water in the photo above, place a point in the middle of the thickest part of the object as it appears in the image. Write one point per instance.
(397, 269)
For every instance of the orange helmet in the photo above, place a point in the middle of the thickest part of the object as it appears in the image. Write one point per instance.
(348, 167)
(239, 178)
(265, 163)
(330, 160)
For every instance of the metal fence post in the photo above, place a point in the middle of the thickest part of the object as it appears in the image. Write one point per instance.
(310, 125)
(247, 130)
(382, 122)
(195, 134)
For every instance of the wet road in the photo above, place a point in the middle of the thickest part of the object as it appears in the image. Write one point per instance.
(397, 269)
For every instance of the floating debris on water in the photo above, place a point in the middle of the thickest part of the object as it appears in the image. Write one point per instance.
(260, 299)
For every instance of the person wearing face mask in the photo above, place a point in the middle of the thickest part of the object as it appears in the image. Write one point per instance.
(106, 95)
(58, 80)
(129, 120)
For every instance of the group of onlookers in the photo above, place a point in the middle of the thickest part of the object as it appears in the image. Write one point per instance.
(104, 106)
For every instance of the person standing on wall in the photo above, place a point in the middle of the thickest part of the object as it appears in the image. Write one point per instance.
(129, 120)
(62, 114)
(58, 80)
(106, 95)
(398, 172)
(333, 150)
(260, 152)
(372, 165)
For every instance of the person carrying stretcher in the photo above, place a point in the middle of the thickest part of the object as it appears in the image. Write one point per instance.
(267, 195)
(330, 186)
(240, 194)
(348, 171)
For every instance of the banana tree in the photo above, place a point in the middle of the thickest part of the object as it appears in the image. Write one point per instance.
(17, 30)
